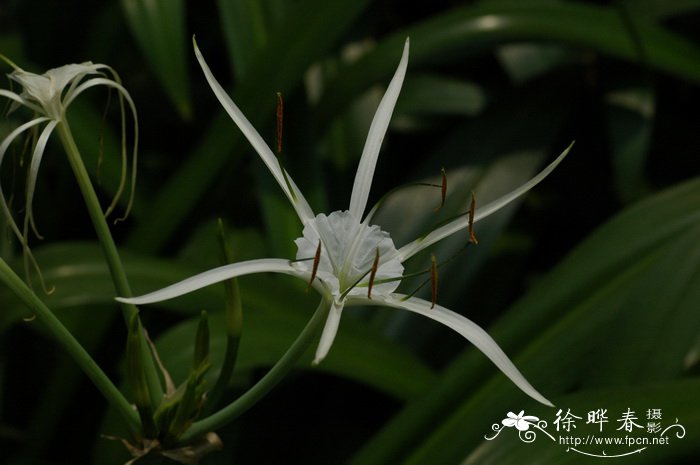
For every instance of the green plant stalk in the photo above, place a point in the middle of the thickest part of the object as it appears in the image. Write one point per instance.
(267, 383)
(71, 345)
(109, 250)
(234, 326)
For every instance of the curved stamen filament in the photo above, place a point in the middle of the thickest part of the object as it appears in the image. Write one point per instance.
(355, 284)
(314, 269)
(373, 273)
(380, 202)
(443, 191)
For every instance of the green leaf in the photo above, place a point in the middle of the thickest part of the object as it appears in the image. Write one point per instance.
(432, 94)
(630, 115)
(159, 29)
(272, 319)
(245, 30)
(481, 27)
(80, 277)
(357, 353)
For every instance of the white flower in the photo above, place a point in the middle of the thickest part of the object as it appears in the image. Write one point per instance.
(520, 421)
(343, 254)
(48, 96)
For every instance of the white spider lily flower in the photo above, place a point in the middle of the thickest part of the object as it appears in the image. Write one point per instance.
(48, 96)
(346, 259)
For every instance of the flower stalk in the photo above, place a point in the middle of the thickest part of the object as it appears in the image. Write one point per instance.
(48, 97)
(283, 366)
(234, 325)
(109, 251)
(99, 222)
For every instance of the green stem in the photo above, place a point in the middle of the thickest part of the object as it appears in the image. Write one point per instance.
(234, 326)
(71, 345)
(265, 385)
(109, 249)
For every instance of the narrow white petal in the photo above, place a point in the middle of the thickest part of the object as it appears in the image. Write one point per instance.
(19, 100)
(124, 94)
(98, 81)
(377, 130)
(3, 149)
(329, 332)
(467, 328)
(216, 275)
(296, 198)
(412, 248)
(37, 156)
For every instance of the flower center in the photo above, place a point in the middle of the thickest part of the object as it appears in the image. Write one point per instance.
(348, 252)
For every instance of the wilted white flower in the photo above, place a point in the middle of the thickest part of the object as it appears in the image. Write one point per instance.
(48, 96)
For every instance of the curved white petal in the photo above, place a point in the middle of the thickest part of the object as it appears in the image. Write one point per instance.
(377, 130)
(37, 156)
(412, 248)
(3, 149)
(89, 68)
(19, 100)
(216, 275)
(329, 332)
(467, 328)
(124, 94)
(98, 81)
(296, 198)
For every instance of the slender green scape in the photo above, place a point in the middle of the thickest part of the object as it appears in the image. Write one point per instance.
(234, 325)
(285, 364)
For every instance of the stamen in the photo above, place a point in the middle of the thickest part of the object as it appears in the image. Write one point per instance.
(443, 191)
(317, 260)
(472, 208)
(373, 273)
(396, 189)
(280, 115)
(434, 279)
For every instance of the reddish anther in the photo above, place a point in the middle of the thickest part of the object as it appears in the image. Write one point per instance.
(472, 208)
